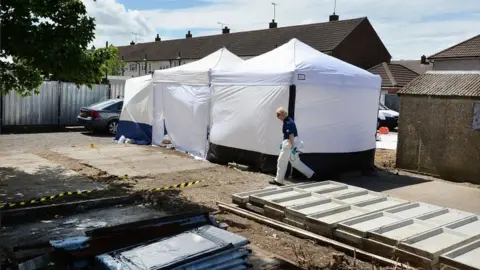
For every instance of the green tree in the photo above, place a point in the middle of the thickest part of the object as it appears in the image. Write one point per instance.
(47, 39)
(114, 64)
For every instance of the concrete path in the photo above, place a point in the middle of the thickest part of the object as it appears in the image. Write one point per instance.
(422, 189)
(26, 176)
(131, 160)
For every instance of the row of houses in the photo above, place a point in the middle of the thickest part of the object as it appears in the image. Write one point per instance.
(439, 95)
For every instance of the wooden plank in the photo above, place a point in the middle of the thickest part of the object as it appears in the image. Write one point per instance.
(309, 235)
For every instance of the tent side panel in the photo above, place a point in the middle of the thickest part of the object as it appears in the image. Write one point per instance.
(137, 113)
(158, 125)
(186, 112)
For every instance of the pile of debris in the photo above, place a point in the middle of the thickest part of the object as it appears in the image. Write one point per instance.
(188, 241)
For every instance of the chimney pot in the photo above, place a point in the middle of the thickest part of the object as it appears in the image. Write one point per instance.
(334, 17)
(225, 30)
(188, 35)
(132, 43)
(158, 38)
(423, 60)
(273, 24)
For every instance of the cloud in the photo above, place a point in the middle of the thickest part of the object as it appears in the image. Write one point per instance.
(409, 28)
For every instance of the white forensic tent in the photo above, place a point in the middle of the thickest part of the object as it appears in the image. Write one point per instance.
(137, 113)
(334, 103)
(183, 95)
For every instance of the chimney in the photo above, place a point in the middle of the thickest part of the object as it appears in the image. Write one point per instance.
(132, 43)
(273, 24)
(423, 60)
(188, 35)
(225, 30)
(158, 38)
(334, 17)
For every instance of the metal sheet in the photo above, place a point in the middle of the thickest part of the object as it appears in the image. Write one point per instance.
(117, 90)
(72, 98)
(41, 109)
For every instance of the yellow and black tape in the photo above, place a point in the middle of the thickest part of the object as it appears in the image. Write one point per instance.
(85, 192)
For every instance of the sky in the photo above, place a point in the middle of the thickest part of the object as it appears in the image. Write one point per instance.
(408, 28)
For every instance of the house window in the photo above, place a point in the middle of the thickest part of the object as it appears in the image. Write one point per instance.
(133, 66)
(142, 66)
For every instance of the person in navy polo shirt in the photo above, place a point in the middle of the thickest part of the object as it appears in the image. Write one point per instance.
(289, 149)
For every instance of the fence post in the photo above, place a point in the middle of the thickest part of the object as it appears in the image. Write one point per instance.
(1, 112)
(59, 102)
(109, 90)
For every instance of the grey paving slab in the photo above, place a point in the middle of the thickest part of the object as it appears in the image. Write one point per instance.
(320, 186)
(394, 233)
(362, 225)
(299, 212)
(294, 200)
(381, 204)
(465, 258)
(338, 191)
(444, 216)
(264, 198)
(359, 196)
(412, 210)
(433, 243)
(469, 226)
(242, 197)
(325, 222)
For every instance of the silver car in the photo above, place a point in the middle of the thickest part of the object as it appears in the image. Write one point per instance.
(102, 116)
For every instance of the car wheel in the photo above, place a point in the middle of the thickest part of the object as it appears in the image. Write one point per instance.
(112, 127)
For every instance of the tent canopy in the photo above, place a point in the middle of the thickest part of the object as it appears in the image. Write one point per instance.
(137, 113)
(294, 63)
(198, 72)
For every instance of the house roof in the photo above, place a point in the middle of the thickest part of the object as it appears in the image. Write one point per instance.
(414, 65)
(321, 36)
(394, 75)
(467, 48)
(445, 83)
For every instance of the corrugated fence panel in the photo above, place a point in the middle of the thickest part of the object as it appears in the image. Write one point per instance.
(73, 98)
(117, 90)
(41, 109)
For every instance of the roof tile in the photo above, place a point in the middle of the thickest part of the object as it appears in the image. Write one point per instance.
(445, 83)
(394, 75)
(467, 48)
(321, 36)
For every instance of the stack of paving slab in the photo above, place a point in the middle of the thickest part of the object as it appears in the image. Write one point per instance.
(421, 234)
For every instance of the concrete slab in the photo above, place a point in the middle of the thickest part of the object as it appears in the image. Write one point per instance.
(299, 212)
(25, 176)
(394, 233)
(325, 222)
(444, 216)
(321, 186)
(464, 258)
(131, 160)
(339, 191)
(360, 196)
(299, 199)
(381, 204)
(242, 197)
(433, 243)
(362, 225)
(414, 210)
(261, 199)
(469, 226)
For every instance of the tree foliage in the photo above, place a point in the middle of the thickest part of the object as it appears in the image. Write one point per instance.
(114, 65)
(47, 39)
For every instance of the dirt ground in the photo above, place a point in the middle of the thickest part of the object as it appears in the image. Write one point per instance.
(220, 182)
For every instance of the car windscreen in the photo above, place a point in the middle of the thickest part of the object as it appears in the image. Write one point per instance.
(383, 107)
(102, 105)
